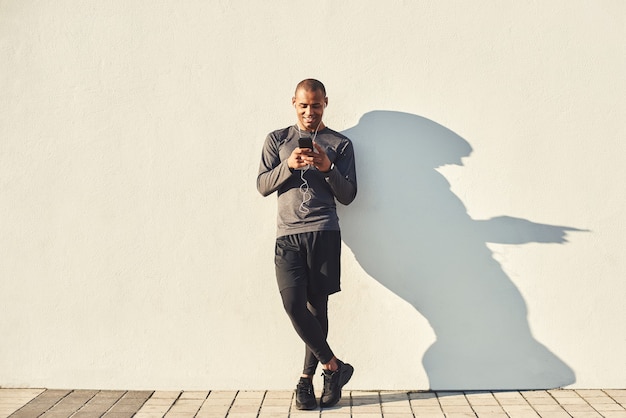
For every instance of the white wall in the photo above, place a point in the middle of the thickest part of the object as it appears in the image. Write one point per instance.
(485, 248)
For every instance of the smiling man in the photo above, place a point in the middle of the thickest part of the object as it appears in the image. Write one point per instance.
(310, 167)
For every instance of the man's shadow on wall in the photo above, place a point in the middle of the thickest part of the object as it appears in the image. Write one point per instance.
(409, 231)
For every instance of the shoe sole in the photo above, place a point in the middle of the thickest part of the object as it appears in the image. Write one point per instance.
(301, 407)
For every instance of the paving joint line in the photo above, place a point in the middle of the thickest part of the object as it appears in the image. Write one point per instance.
(115, 403)
(85, 403)
(231, 403)
(42, 395)
(468, 402)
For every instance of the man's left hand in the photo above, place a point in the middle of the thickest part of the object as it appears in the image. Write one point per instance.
(318, 159)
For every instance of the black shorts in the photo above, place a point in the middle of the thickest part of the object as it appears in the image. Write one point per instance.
(310, 259)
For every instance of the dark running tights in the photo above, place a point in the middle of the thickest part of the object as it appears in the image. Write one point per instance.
(309, 317)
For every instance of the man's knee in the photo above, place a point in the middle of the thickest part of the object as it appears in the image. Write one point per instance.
(294, 301)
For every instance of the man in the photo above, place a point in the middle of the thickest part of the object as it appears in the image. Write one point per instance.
(308, 244)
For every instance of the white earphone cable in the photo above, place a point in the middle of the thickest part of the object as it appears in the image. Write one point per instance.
(304, 187)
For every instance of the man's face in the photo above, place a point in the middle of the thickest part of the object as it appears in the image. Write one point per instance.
(309, 108)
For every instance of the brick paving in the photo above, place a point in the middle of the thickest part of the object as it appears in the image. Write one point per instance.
(558, 403)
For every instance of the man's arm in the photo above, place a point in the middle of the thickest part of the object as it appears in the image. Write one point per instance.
(342, 177)
(273, 172)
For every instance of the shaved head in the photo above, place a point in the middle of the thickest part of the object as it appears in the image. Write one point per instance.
(310, 84)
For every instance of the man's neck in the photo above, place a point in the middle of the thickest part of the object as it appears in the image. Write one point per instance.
(303, 129)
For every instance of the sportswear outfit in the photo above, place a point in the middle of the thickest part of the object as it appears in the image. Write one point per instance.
(308, 240)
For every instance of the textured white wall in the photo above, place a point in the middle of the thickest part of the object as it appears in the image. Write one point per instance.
(485, 248)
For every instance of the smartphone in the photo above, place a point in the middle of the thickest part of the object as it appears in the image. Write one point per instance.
(305, 143)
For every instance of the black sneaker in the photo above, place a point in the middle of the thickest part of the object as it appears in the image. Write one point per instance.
(333, 382)
(305, 396)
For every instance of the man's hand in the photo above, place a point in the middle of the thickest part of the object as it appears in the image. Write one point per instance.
(320, 159)
(301, 157)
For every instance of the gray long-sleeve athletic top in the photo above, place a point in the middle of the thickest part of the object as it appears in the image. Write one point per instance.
(324, 188)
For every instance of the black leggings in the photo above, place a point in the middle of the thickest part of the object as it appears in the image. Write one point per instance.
(309, 316)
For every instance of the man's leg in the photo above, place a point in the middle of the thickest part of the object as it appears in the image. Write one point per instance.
(306, 324)
(313, 335)
(318, 306)
(309, 264)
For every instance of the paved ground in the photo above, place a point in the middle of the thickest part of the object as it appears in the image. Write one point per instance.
(49, 403)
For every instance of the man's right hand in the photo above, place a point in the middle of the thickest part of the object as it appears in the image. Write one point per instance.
(296, 160)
